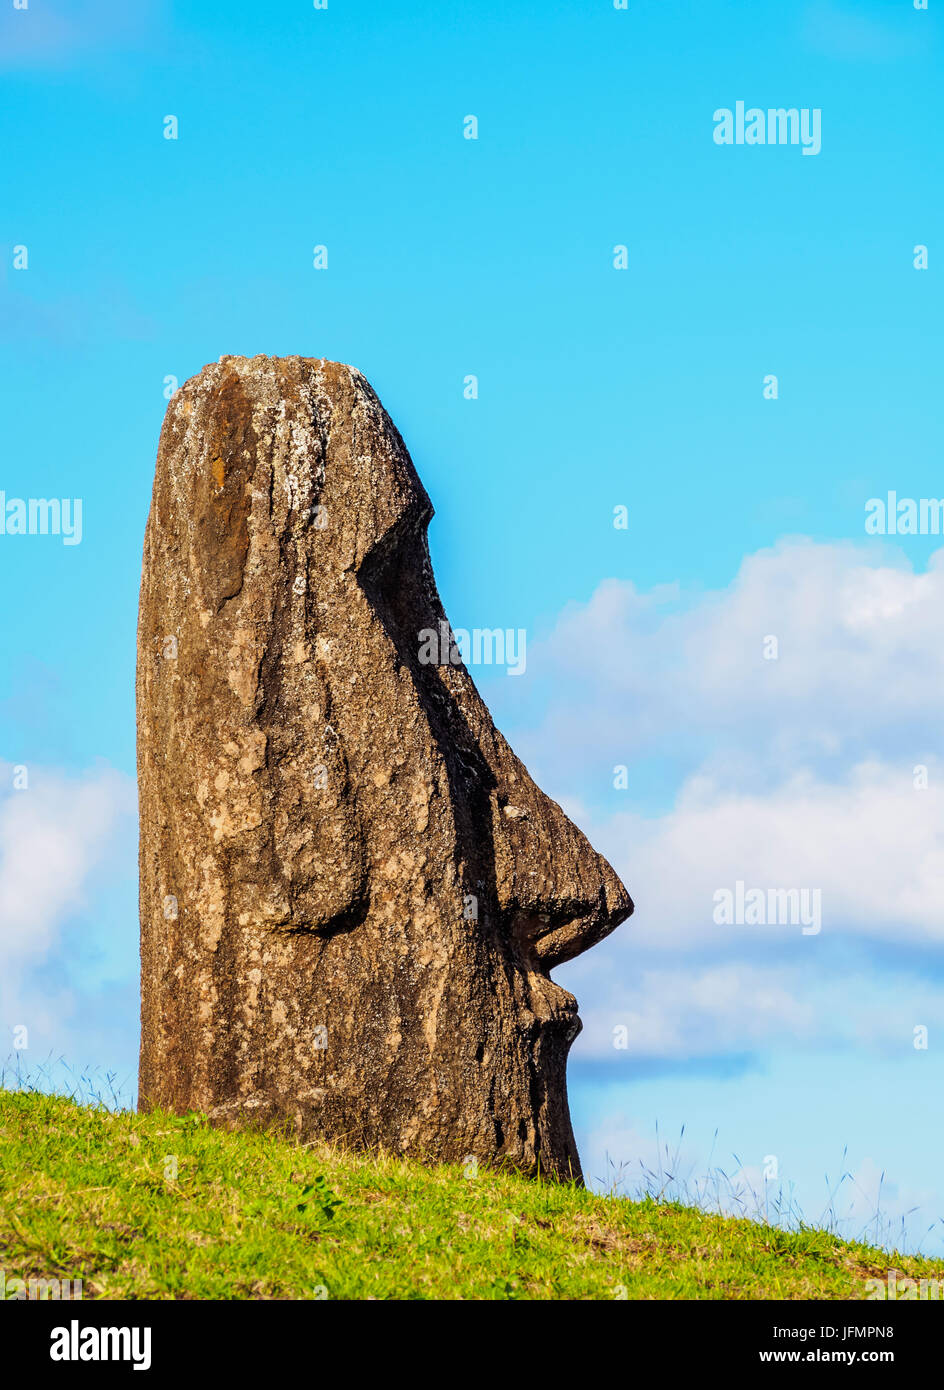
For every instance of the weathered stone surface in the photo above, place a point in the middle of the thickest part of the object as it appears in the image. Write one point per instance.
(352, 892)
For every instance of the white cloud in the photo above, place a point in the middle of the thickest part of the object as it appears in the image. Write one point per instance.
(687, 987)
(41, 35)
(859, 669)
(872, 843)
(51, 836)
(54, 837)
(797, 773)
(845, 32)
(678, 1013)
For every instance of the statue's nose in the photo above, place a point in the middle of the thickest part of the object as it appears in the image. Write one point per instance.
(559, 896)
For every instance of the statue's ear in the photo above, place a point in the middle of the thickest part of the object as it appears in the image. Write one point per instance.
(321, 850)
(249, 823)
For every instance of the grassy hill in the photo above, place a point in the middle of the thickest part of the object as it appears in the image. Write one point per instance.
(161, 1207)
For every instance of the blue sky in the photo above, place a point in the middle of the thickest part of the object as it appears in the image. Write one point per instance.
(598, 387)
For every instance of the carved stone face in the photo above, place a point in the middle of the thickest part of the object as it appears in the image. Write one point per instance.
(352, 892)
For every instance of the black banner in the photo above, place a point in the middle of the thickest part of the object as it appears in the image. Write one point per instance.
(163, 1339)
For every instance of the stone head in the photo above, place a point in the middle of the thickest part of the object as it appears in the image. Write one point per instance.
(352, 892)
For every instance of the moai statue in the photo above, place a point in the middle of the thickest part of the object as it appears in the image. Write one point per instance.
(352, 893)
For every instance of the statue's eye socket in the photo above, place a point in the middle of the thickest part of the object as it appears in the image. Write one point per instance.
(396, 577)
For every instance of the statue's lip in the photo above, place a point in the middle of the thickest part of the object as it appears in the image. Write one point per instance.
(563, 1013)
(552, 1005)
(564, 1018)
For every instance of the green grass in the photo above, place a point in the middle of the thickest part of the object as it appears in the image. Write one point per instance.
(161, 1207)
